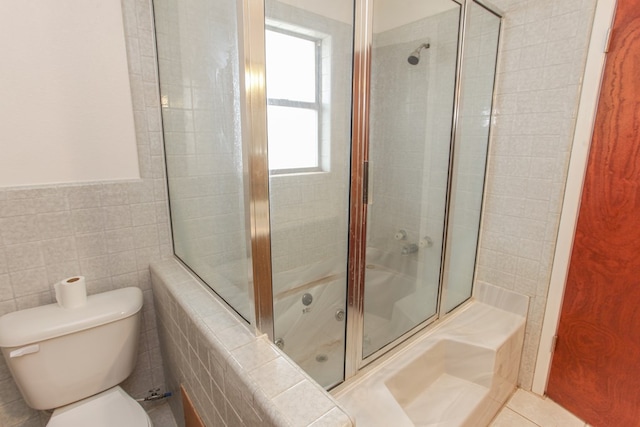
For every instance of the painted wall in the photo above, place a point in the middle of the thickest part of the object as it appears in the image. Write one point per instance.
(66, 109)
(108, 232)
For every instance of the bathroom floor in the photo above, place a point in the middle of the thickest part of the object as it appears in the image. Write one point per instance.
(161, 416)
(526, 409)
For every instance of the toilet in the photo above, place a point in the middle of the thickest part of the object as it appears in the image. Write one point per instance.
(72, 360)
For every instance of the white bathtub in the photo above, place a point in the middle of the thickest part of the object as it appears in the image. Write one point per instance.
(312, 335)
(457, 374)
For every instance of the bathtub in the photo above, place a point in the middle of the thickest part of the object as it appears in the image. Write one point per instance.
(457, 374)
(313, 335)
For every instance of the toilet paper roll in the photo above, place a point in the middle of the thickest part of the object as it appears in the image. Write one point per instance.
(71, 292)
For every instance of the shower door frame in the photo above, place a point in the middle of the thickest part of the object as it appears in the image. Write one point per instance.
(354, 360)
(253, 90)
(256, 161)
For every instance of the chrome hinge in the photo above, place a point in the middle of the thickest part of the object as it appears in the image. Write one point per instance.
(607, 42)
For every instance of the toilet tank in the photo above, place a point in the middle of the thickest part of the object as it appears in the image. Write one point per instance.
(58, 356)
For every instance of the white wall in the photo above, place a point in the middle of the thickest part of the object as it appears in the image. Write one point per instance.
(108, 232)
(335, 9)
(389, 14)
(541, 64)
(66, 108)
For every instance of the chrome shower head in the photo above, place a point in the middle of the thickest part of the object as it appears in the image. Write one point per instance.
(414, 57)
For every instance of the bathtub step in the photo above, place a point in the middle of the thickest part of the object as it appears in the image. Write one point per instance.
(447, 402)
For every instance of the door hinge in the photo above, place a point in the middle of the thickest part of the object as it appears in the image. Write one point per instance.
(607, 41)
(554, 342)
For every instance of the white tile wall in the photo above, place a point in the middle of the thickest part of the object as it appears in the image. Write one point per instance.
(108, 232)
(411, 108)
(541, 62)
(199, 85)
(309, 212)
(542, 59)
(233, 377)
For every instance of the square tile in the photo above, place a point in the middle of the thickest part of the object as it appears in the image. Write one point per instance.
(542, 411)
(508, 418)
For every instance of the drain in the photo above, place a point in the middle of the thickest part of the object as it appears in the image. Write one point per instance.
(322, 358)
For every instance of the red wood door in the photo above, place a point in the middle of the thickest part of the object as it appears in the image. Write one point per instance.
(595, 371)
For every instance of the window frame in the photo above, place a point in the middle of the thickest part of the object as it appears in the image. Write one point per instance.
(315, 106)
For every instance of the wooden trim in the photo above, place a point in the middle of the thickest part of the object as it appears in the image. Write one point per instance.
(191, 417)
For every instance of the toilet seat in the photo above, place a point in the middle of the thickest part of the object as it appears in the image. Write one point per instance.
(111, 408)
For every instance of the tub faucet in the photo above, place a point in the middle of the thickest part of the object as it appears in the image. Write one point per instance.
(411, 248)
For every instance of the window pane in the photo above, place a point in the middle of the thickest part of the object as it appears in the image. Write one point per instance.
(293, 137)
(291, 67)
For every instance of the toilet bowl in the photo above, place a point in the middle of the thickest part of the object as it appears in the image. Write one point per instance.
(111, 408)
(72, 360)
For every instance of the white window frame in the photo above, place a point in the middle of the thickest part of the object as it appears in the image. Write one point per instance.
(316, 105)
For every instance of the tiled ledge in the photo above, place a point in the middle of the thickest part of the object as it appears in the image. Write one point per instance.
(233, 377)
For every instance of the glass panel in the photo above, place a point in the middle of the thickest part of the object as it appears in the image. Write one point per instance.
(309, 211)
(291, 67)
(412, 95)
(293, 137)
(478, 74)
(199, 85)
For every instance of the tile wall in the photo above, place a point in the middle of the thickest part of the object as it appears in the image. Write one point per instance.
(233, 377)
(309, 212)
(471, 152)
(200, 94)
(108, 232)
(411, 107)
(541, 63)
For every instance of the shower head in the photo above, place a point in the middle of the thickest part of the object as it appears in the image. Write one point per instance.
(414, 58)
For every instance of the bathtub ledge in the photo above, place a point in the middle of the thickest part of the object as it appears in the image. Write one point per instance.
(457, 375)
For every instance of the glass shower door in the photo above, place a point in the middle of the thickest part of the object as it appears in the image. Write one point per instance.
(413, 73)
(199, 70)
(482, 33)
(308, 72)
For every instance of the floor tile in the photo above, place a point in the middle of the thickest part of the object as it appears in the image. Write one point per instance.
(161, 416)
(508, 418)
(542, 411)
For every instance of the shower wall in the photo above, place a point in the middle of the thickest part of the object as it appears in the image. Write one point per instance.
(472, 138)
(542, 60)
(411, 134)
(309, 210)
(200, 86)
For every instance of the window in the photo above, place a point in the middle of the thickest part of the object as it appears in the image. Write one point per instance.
(293, 101)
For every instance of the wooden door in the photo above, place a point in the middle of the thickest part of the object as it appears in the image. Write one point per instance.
(595, 371)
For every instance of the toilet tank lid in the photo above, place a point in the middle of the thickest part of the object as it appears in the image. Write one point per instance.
(50, 321)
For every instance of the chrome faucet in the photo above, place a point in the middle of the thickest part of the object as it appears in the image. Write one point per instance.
(411, 248)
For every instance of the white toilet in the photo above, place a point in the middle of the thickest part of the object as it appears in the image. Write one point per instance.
(72, 360)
